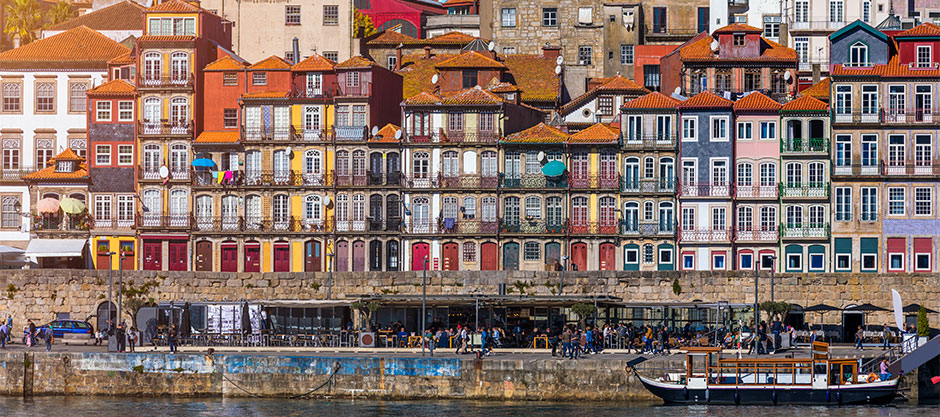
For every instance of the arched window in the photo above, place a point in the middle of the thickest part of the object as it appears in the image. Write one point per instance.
(768, 218)
(204, 211)
(745, 176)
(152, 206)
(45, 97)
(745, 218)
(9, 215)
(313, 208)
(449, 207)
(631, 213)
(794, 174)
(768, 174)
(179, 160)
(511, 210)
(858, 54)
(533, 207)
(450, 164)
(179, 111)
(469, 207)
(794, 216)
(77, 96)
(579, 210)
(407, 27)
(421, 215)
(152, 111)
(281, 166)
(280, 208)
(359, 211)
(665, 216)
(422, 165)
(359, 163)
(817, 216)
(342, 163)
(179, 207)
(631, 173)
(179, 68)
(230, 209)
(554, 215)
(253, 211)
(313, 167)
(152, 68)
(648, 211)
(607, 211)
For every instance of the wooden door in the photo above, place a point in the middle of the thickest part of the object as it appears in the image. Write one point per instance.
(177, 258)
(419, 251)
(359, 256)
(579, 256)
(450, 260)
(489, 257)
(608, 257)
(204, 255)
(510, 256)
(153, 255)
(253, 257)
(312, 261)
(342, 256)
(229, 259)
(129, 260)
(104, 262)
(281, 257)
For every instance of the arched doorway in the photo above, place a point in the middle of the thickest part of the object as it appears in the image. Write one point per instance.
(229, 258)
(607, 257)
(489, 257)
(102, 315)
(252, 256)
(312, 256)
(359, 256)
(342, 256)
(420, 251)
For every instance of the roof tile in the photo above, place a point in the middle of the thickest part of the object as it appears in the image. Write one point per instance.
(226, 63)
(756, 101)
(75, 48)
(417, 71)
(217, 137)
(540, 133)
(805, 103)
(616, 83)
(272, 62)
(705, 99)
(701, 50)
(314, 62)
(738, 28)
(386, 134)
(114, 87)
(266, 94)
(422, 98)
(596, 133)
(49, 172)
(819, 90)
(924, 29)
(174, 6)
(472, 59)
(356, 62)
(472, 96)
(535, 76)
(654, 100)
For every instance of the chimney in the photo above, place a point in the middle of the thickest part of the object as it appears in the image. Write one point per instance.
(427, 52)
(398, 57)
(296, 50)
(551, 52)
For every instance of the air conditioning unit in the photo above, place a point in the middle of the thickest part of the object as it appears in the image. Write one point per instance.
(366, 339)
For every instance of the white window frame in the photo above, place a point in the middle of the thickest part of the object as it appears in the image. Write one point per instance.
(929, 262)
(129, 154)
(822, 256)
(799, 257)
(103, 107)
(928, 204)
(848, 257)
(891, 256)
(690, 125)
(770, 128)
(896, 201)
(99, 154)
(722, 120)
(636, 255)
(724, 258)
(745, 131)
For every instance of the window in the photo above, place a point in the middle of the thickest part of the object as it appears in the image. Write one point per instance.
(469, 78)
(103, 113)
(584, 54)
(816, 261)
(331, 55)
(923, 201)
(843, 150)
(179, 26)
(585, 15)
(509, 17)
(768, 174)
(688, 261)
(869, 204)
(605, 105)
(896, 201)
(626, 54)
(45, 97)
(835, 11)
(719, 129)
(330, 16)
(659, 20)
(651, 77)
(738, 39)
(689, 132)
(801, 45)
(125, 154)
(768, 130)
(744, 130)
(869, 262)
(703, 13)
(9, 215)
(103, 154)
(125, 111)
(352, 79)
(746, 261)
(230, 118)
(923, 56)
(843, 204)
(718, 261)
(291, 15)
(719, 218)
(392, 62)
(469, 252)
(532, 251)
(229, 78)
(869, 150)
(77, 97)
(745, 174)
(631, 255)
(866, 12)
(259, 78)
(509, 50)
(12, 96)
(771, 26)
(455, 122)
(801, 11)
(549, 16)
(858, 55)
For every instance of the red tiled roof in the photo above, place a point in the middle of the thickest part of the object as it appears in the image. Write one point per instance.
(174, 6)
(616, 83)
(314, 62)
(596, 133)
(417, 72)
(451, 38)
(501, 87)
(114, 88)
(395, 38)
(217, 137)
(890, 70)
(924, 29)
(125, 15)
(805, 103)
(266, 94)
(540, 133)
(535, 76)
(79, 48)
(122, 59)
(49, 172)
(391, 37)
(738, 28)
(701, 50)
(272, 62)
(386, 134)
(356, 62)
(472, 96)
(226, 63)
(705, 100)
(654, 100)
(422, 98)
(819, 90)
(472, 59)
(67, 155)
(756, 101)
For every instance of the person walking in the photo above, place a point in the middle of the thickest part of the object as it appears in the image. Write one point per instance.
(9, 328)
(4, 335)
(459, 338)
(48, 337)
(32, 332)
(565, 342)
(885, 336)
(132, 338)
(429, 340)
(171, 338)
(858, 338)
(884, 370)
(122, 336)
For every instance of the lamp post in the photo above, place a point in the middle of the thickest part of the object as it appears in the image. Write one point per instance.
(773, 267)
(329, 282)
(121, 283)
(756, 313)
(112, 342)
(564, 266)
(424, 300)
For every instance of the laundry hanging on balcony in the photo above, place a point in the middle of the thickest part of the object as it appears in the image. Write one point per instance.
(553, 169)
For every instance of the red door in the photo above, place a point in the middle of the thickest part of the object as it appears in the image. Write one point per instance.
(451, 262)
(104, 262)
(489, 257)
(128, 259)
(359, 256)
(608, 256)
(177, 258)
(153, 255)
(420, 251)
(230, 257)
(281, 257)
(579, 256)
(312, 256)
(342, 256)
(252, 257)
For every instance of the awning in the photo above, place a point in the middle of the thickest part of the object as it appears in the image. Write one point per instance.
(305, 303)
(9, 250)
(44, 248)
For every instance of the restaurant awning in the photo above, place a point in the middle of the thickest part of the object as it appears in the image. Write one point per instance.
(44, 248)
(9, 250)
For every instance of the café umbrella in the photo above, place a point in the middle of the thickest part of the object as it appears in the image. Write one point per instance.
(47, 205)
(203, 163)
(553, 169)
(71, 206)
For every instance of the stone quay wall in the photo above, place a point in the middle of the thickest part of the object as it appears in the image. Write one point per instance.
(38, 294)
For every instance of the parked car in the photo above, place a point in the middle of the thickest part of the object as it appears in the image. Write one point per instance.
(71, 330)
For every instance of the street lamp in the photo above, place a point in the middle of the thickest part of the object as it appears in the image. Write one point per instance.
(329, 267)
(111, 341)
(424, 300)
(773, 267)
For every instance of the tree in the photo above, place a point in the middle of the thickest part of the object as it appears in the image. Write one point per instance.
(363, 26)
(583, 310)
(775, 308)
(137, 297)
(676, 288)
(23, 20)
(923, 326)
(61, 12)
(367, 308)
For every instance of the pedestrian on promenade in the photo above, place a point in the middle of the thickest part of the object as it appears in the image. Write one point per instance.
(32, 332)
(648, 340)
(9, 329)
(48, 337)
(4, 334)
(429, 340)
(171, 338)
(885, 335)
(122, 336)
(565, 342)
(132, 337)
(589, 340)
(858, 338)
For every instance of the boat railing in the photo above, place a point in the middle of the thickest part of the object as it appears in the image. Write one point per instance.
(894, 353)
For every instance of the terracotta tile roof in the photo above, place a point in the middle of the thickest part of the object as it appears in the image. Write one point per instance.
(272, 62)
(472, 96)
(226, 63)
(114, 88)
(805, 103)
(266, 94)
(391, 37)
(654, 100)
(597, 133)
(924, 29)
(472, 59)
(79, 48)
(893, 69)
(618, 84)
(705, 100)
(422, 98)
(174, 6)
(738, 28)
(166, 38)
(356, 62)
(217, 137)
(540, 133)
(314, 62)
(756, 102)
(386, 134)
(535, 76)
(125, 15)
(394, 38)
(451, 3)
(451, 38)
(67, 155)
(49, 173)
(416, 73)
(819, 90)
(701, 50)
(123, 59)
(501, 87)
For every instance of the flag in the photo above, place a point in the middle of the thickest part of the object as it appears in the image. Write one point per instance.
(935, 380)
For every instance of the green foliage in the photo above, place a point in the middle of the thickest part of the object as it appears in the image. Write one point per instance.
(11, 291)
(583, 310)
(61, 12)
(368, 308)
(23, 19)
(139, 369)
(775, 308)
(315, 286)
(923, 325)
(521, 286)
(363, 26)
(676, 288)
(137, 297)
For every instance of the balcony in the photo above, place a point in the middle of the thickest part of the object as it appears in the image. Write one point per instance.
(705, 235)
(378, 225)
(165, 128)
(379, 179)
(259, 178)
(253, 224)
(161, 221)
(532, 181)
(354, 180)
(755, 191)
(259, 134)
(802, 146)
(901, 168)
(633, 228)
(349, 133)
(113, 223)
(823, 62)
(805, 231)
(804, 191)
(163, 81)
(664, 142)
(607, 181)
(415, 226)
(16, 174)
(312, 134)
(421, 181)
(705, 190)
(816, 26)
(593, 228)
(864, 117)
(468, 182)
(56, 224)
(455, 137)
(531, 226)
(325, 92)
(913, 116)
(153, 174)
(350, 225)
(471, 227)
(647, 186)
(873, 169)
(362, 89)
(761, 234)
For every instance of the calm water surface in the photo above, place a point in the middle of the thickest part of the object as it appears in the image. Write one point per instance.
(105, 406)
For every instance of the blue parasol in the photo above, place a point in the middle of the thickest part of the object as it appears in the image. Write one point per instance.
(203, 163)
(553, 169)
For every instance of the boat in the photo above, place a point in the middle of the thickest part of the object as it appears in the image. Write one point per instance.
(817, 380)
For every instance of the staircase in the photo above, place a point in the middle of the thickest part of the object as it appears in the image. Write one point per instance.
(905, 357)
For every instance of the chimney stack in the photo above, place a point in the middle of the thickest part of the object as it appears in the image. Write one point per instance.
(296, 50)
(549, 51)
(427, 52)
(398, 55)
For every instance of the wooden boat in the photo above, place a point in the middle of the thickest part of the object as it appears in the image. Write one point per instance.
(711, 379)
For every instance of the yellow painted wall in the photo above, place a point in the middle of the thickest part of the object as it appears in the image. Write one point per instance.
(114, 245)
(297, 256)
(267, 253)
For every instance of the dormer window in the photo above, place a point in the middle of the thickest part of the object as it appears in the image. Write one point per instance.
(352, 79)
(63, 166)
(923, 56)
(858, 55)
(738, 39)
(469, 78)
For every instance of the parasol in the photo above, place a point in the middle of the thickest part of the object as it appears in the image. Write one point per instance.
(47, 205)
(71, 206)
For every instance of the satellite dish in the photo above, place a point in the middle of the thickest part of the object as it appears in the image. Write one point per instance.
(434, 79)
(541, 156)
(289, 150)
(559, 60)
(491, 46)
(327, 201)
(714, 46)
(398, 134)
(557, 69)
(677, 91)
(375, 130)
(786, 76)
(164, 172)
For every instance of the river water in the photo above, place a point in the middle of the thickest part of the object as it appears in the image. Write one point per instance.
(111, 406)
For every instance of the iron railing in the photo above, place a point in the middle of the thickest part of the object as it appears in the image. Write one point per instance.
(804, 231)
(798, 145)
(647, 185)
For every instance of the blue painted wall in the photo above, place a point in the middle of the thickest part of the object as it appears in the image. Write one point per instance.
(704, 148)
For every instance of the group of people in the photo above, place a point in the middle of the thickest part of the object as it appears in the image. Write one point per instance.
(31, 334)
(126, 338)
(575, 342)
